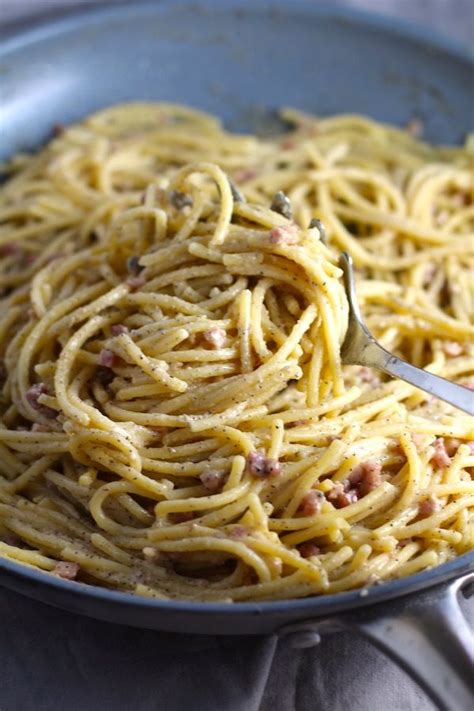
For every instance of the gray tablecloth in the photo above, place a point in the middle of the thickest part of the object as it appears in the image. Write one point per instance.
(51, 660)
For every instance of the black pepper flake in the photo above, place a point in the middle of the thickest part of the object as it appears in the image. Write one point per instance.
(133, 265)
(179, 199)
(237, 195)
(281, 203)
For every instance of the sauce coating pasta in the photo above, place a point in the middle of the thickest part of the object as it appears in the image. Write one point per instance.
(175, 420)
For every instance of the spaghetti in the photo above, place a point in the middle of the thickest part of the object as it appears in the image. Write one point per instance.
(175, 420)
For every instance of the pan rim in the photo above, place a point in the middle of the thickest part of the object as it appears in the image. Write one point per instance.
(317, 605)
(16, 37)
(20, 33)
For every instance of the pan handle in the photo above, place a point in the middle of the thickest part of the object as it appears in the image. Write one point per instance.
(426, 634)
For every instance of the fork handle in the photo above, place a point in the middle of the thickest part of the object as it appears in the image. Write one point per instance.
(461, 397)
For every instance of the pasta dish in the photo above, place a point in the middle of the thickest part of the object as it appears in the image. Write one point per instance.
(175, 420)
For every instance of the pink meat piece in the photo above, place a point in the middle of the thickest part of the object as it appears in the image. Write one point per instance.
(440, 458)
(342, 495)
(216, 337)
(461, 199)
(258, 464)
(66, 570)
(336, 490)
(451, 445)
(284, 234)
(238, 532)
(108, 359)
(32, 396)
(366, 477)
(367, 375)
(418, 441)
(33, 393)
(347, 498)
(135, 282)
(308, 549)
(117, 329)
(10, 249)
(429, 506)
(311, 503)
(158, 433)
(246, 174)
(452, 348)
(212, 480)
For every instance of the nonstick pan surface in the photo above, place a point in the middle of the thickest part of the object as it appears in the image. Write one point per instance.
(242, 60)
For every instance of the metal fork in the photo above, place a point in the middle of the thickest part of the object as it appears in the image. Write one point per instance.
(361, 348)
